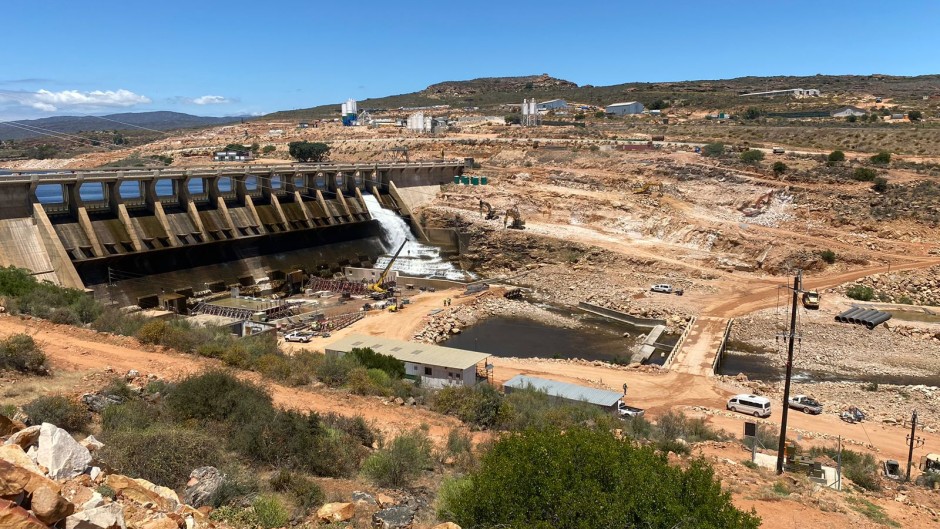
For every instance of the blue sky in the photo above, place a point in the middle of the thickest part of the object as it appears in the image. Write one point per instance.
(226, 58)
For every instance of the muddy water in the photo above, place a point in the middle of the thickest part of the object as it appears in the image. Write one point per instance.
(595, 339)
(764, 368)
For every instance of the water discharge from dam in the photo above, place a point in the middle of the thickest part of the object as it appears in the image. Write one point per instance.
(416, 259)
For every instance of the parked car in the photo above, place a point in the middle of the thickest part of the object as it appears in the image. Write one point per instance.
(664, 288)
(750, 404)
(779, 150)
(299, 336)
(805, 404)
(628, 412)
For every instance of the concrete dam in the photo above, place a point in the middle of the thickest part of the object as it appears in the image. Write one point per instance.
(74, 228)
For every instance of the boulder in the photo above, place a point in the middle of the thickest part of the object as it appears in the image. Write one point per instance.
(109, 516)
(12, 516)
(15, 479)
(386, 501)
(336, 512)
(25, 438)
(49, 506)
(132, 374)
(142, 491)
(359, 497)
(15, 454)
(96, 500)
(92, 444)
(8, 426)
(446, 525)
(61, 454)
(394, 518)
(203, 482)
(97, 402)
(159, 522)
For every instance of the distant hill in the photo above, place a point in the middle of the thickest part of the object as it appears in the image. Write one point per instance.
(71, 124)
(491, 92)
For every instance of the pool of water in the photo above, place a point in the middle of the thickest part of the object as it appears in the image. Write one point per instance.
(595, 339)
(908, 315)
(761, 367)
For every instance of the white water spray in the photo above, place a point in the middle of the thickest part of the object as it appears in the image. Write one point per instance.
(416, 259)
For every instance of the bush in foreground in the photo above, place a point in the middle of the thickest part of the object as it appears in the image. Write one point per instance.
(401, 462)
(59, 411)
(860, 292)
(587, 478)
(752, 156)
(162, 454)
(20, 353)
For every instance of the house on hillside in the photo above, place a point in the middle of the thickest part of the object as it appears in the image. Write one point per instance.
(553, 104)
(848, 111)
(435, 366)
(622, 109)
(232, 156)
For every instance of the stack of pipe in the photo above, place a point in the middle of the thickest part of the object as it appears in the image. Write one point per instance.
(870, 318)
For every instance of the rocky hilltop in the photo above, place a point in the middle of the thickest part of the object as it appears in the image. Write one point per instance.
(486, 85)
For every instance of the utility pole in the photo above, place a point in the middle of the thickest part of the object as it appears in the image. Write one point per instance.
(839, 466)
(791, 341)
(912, 439)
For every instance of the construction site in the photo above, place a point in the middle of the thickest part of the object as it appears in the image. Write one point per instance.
(576, 255)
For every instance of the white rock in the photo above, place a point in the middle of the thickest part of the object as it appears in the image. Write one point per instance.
(97, 500)
(61, 454)
(109, 516)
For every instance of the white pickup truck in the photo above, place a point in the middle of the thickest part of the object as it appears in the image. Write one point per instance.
(624, 411)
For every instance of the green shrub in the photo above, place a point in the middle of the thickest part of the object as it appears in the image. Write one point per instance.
(305, 492)
(238, 484)
(860, 292)
(864, 174)
(44, 300)
(541, 479)
(116, 322)
(479, 405)
(106, 491)
(767, 437)
(713, 149)
(828, 256)
(59, 411)
(836, 156)
(401, 462)
(882, 158)
(334, 370)
(20, 352)
(752, 156)
(269, 512)
(218, 396)
(861, 468)
(676, 425)
(355, 427)
(133, 415)
(372, 360)
(268, 149)
(779, 168)
(880, 184)
(163, 454)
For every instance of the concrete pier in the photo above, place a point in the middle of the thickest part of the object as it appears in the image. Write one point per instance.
(134, 213)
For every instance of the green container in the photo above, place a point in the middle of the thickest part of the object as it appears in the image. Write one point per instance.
(456, 179)
(475, 180)
(483, 180)
(465, 180)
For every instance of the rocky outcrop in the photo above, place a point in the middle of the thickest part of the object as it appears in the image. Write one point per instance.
(12, 516)
(15, 480)
(63, 456)
(109, 516)
(143, 492)
(394, 518)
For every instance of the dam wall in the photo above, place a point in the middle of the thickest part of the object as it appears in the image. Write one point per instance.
(71, 227)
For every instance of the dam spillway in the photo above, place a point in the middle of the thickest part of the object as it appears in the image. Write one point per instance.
(71, 227)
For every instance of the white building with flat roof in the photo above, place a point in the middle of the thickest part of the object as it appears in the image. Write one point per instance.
(622, 109)
(435, 366)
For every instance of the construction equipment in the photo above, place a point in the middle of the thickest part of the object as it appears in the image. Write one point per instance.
(811, 299)
(517, 222)
(490, 212)
(930, 463)
(377, 286)
(758, 206)
(647, 188)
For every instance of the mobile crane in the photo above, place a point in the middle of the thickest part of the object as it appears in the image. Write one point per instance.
(377, 286)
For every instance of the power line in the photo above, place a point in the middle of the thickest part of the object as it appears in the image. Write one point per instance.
(128, 124)
(56, 134)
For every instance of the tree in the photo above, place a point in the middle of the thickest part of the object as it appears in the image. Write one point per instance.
(119, 139)
(836, 156)
(914, 115)
(235, 147)
(255, 148)
(752, 113)
(713, 149)
(851, 119)
(513, 119)
(882, 158)
(780, 168)
(752, 156)
(873, 117)
(659, 104)
(306, 151)
(579, 477)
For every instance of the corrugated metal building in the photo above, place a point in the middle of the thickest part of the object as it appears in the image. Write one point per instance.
(621, 109)
(434, 365)
(562, 390)
(848, 111)
(554, 104)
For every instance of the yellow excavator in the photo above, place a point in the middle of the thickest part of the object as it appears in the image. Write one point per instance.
(648, 187)
(377, 286)
(490, 212)
(517, 222)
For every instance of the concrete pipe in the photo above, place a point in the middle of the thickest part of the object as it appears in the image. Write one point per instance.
(862, 317)
(844, 317)
(878, 320)
(868, 318)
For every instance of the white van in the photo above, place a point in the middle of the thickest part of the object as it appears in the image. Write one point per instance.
(665, 289)
(750, 404)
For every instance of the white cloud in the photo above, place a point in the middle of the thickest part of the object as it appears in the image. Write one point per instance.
(211, 100)
(48, 101)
